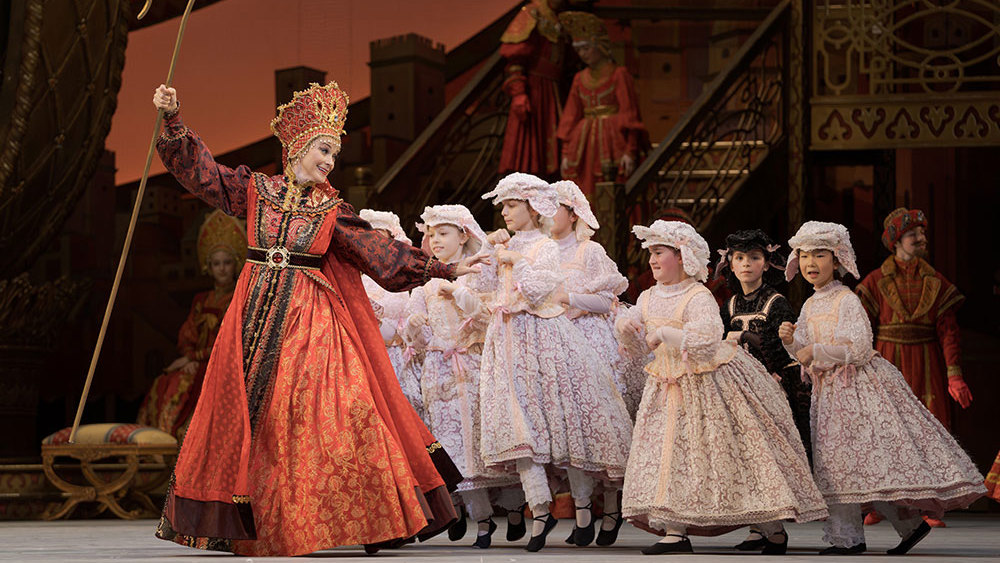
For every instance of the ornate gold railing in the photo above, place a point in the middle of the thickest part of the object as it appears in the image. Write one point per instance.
(737, 121)
(456, 157)
(899, 73)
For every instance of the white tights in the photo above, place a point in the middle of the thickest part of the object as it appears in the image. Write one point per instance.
(846, 528)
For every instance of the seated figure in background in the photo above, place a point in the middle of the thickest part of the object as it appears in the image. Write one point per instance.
(222, 249)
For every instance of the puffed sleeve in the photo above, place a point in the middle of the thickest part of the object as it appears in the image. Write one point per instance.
(634, 344)
(602, 281)
(537, 278)
(852, 339)
(187, 158)
(394, 265)
(416, 336)
(702, 330)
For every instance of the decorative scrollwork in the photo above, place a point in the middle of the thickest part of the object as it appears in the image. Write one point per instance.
(872, 47)
(60, 94)
(895, 73)
(33, 314)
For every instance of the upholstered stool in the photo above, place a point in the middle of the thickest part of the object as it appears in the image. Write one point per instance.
(125, 449)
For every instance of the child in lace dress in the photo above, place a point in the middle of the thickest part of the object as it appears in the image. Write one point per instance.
(446, 324)
(390, 311)
(874, 444)
(714, 446)
(549, 402)
(589, 293)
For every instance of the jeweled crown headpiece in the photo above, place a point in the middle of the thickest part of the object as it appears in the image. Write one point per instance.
(318, 111)
(221, 232)
(585, 27)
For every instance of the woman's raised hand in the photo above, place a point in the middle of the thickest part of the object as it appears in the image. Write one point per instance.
(165, 98)
(471, 264)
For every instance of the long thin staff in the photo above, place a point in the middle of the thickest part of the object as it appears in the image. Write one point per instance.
(131, 224)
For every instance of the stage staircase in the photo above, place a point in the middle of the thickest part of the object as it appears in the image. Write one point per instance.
(727, 149)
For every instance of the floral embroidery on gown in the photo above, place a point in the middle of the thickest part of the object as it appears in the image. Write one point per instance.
(302, 439)
(714, 446)
(862, 450)
(545, 394)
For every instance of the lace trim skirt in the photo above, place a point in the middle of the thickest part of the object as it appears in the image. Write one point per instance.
(716, 451)
(547, 396)
(874, 441)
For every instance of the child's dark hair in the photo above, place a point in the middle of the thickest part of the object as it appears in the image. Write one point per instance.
(747, 241)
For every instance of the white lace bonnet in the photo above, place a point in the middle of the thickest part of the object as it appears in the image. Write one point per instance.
(571, 196)
(537, 192)
(815, 235)
(693, 248)
(385, 220)
(457, 215)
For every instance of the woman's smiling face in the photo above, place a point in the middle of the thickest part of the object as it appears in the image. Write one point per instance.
(317, 162)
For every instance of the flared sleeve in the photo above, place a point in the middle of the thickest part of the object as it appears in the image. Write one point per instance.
(572, 113)
(187, 158)
(394, 265)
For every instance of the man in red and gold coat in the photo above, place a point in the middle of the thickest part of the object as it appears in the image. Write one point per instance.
(912, 311)
(533, 46)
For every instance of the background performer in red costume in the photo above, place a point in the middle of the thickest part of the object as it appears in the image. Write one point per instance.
(912, 311)
(302, 439)
(222, 249)
(600, 125)
(533, 47)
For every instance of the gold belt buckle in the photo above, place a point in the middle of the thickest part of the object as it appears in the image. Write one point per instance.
(277, 257)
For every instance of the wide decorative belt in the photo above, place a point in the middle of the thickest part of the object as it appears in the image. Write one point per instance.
(279, 258)
(600, 111)
(903, 333)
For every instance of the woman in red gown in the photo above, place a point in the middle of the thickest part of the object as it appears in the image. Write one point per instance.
(302, 439)
(600, 125)
(222, 249)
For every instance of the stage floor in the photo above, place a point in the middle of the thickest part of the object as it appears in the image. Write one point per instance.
(969, 537)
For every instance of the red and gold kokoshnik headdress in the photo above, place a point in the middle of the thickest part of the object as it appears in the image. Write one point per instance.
(318, 111)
